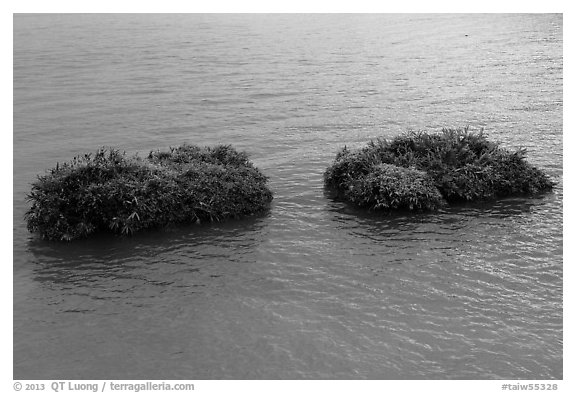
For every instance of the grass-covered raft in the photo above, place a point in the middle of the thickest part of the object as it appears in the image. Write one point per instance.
(109, 191)
(420, 171)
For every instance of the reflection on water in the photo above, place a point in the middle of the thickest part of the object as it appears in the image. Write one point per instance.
(176, 258)
(315, 288)
(104, 247)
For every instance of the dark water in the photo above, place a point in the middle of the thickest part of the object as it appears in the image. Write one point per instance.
(314, 289)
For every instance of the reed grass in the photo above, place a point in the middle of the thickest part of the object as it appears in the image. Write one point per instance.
(462, 166)
(109, 191)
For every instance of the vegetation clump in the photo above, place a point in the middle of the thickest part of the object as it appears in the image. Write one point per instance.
(391, 187)
(458, 164)
(109, 191)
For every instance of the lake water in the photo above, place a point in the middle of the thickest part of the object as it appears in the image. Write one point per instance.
(314, 289)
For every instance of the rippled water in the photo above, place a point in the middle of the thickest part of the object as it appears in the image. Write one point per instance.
(315, 288)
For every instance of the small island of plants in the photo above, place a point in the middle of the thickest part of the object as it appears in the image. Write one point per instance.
(110, 191)
(422, 172)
